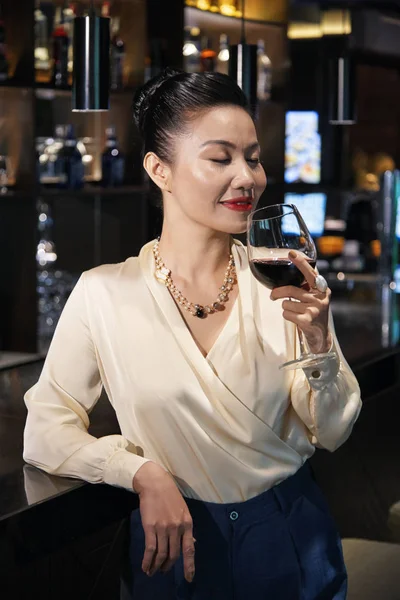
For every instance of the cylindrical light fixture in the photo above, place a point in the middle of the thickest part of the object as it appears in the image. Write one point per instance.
(342, 101)
(243, 68)
(91, 72)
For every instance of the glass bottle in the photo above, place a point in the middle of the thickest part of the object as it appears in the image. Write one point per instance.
(264, 73)
(117, 57)
(223, 55)
(191, 50)
(42, 58)
(70, 161)
(208, 57)
(60, 52)
(112, 161)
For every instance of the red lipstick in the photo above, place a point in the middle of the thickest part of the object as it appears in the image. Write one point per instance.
(241, 203)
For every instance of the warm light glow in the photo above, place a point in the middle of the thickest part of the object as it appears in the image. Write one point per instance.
(203, 4)
(333, 22)
(228, 9)
(297, 31)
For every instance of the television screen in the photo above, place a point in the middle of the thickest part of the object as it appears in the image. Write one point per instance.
(312, 208)
(302, 147)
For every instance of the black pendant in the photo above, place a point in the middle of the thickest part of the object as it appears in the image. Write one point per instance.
(200, 312)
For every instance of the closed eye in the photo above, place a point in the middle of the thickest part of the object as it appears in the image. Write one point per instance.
(222, 161)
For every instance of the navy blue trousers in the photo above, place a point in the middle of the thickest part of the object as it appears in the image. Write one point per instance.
(280, 545)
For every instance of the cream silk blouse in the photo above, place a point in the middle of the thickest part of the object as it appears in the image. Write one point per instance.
(227, 427)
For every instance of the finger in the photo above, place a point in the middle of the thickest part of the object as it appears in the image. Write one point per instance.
(188, 554)
(304, 266)
(302, 321)
(291, 291)
(296, 307)
(150, 548)
(174, 550)
(162, 550)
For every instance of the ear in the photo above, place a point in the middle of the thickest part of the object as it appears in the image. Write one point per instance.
(158, 171)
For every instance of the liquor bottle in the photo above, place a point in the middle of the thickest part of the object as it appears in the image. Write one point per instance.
(60, 52)
(70, 160)
(112, 161)
(208, 57)
(68, 23)
(223, 55)
(117, 57)
(191, 50)
(3, 52)
(264, 73)
(42, 58)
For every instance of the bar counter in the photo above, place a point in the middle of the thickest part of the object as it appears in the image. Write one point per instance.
(54, 525)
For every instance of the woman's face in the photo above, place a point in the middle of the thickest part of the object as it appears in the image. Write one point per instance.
(216, 178)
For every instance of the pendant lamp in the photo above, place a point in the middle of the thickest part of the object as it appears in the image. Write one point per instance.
(342, 90)
(91, 70)
(243, 66)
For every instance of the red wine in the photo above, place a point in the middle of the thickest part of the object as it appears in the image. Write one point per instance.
(276, 272)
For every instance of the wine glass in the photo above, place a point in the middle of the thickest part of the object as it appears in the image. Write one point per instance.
(271, 233)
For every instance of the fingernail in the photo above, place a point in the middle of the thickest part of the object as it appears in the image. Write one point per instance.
(292, 254)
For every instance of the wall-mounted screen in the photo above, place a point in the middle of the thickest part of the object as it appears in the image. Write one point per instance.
(312, 208)
(302, 147)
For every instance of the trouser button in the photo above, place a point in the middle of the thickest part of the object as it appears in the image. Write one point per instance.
(234, 515)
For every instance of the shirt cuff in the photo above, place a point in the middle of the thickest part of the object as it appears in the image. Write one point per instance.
(121, 468)
(321, 376)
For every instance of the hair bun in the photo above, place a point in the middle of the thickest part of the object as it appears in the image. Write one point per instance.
(145, 95)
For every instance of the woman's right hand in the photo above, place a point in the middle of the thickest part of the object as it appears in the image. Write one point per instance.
(166, 521)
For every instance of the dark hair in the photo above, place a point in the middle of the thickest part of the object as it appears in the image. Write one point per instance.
(162, 107)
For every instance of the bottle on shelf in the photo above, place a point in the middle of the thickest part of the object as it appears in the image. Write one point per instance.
(264, 81)
(191, 50)
(71, 166)
(223, 55)
(3, 51)
(112, 161)
(60, 52)
(117, 56)
(208, 56)
(68, 23)
(42, 56)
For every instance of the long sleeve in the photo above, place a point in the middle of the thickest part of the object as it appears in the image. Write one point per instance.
(56, 437)
(327, 399)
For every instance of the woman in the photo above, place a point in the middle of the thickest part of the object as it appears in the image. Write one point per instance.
(214, 436)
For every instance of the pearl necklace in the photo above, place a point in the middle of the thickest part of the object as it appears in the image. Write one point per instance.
(163, 275)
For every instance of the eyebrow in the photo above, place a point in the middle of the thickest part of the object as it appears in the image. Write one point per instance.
(229, 144)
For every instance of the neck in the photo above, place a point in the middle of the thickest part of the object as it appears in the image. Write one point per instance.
(195, 257)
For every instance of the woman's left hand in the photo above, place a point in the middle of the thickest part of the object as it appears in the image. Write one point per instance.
(310, 308)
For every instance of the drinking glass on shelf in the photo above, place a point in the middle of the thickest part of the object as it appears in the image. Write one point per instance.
(272, 232)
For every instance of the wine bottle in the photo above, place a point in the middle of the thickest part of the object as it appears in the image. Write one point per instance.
(264, 73)
(60, 53)
(223, 55)
(117, 57)
(112, 161)
(207, 55)
(72, 168)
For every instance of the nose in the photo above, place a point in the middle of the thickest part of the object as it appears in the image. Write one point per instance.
(244, 178)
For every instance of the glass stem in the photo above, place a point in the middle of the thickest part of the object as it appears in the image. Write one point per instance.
(304, 350)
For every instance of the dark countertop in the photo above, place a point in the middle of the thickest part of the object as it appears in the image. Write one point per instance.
(361, 328)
